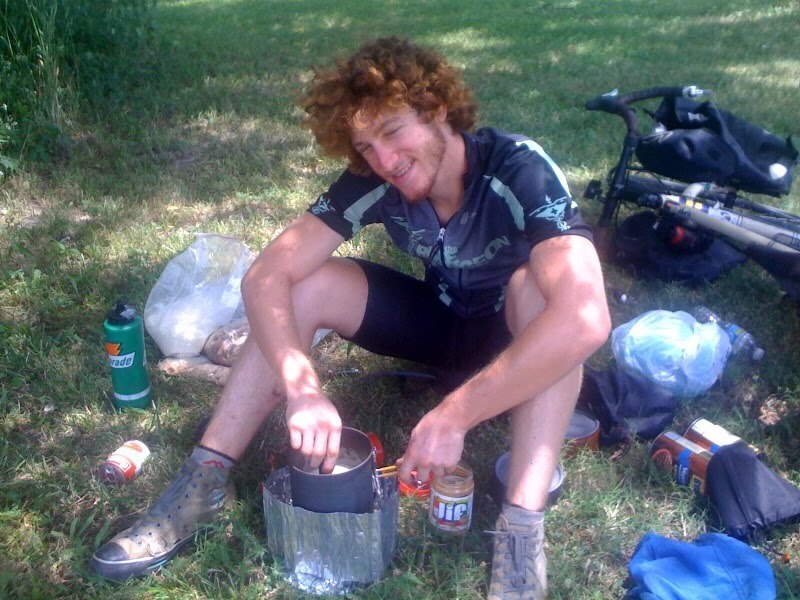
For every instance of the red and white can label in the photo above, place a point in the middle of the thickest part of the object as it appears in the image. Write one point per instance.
(129, 458)
(450, 513)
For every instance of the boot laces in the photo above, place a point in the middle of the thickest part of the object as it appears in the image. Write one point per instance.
(514, 549)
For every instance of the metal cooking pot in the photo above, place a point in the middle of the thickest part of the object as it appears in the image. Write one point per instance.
(348, 489)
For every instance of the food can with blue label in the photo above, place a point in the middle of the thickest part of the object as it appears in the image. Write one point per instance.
(450, 507)
(686, 460)
(710, 436)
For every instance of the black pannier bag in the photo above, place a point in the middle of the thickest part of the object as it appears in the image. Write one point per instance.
(624, 405)
(747, 497)
(702, 143)
(637, 246)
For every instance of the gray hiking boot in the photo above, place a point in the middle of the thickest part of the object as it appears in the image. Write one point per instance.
(519, 565)
(193, 498)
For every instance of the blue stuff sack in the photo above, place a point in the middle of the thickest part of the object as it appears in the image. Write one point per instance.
(672, 350)
(713, 567)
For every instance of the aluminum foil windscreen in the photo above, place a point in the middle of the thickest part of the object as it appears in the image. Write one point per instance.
(330, 553)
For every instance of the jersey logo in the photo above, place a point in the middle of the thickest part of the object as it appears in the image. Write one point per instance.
(553, 210)
(322, 205)
(492, 248)
(416, 245)
(402, 222)
(467, 216)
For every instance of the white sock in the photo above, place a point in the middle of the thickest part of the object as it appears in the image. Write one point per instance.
(519, 516)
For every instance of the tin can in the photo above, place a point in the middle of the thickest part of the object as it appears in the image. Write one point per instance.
(583, 431)
(499, 482)
(686, 460)
(124, 464)
(450, 507)
(710, 436)
(124, 337)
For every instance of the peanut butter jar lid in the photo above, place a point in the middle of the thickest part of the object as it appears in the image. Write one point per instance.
(419, 489)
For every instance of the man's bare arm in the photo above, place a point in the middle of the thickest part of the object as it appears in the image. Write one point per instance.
(573, 324)
(300, 249)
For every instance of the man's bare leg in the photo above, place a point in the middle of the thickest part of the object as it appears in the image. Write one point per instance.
(537, 434)
(335, 297)
(538, 427)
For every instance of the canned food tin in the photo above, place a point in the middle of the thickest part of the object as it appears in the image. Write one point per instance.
(124, 464)
(499, 482)
(583, 431)
(710, 436)
(450, 507)
(686, 460)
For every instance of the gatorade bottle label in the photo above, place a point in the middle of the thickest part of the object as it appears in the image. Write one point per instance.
(117, 360)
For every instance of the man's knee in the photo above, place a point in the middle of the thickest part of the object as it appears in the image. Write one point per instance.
(334, 296)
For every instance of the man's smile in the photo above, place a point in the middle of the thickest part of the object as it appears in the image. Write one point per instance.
(399, 174)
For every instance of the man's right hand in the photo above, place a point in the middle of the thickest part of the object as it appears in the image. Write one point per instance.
(315, 429)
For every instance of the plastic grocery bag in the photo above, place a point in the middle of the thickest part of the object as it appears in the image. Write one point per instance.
(672, 350)
(197, 292)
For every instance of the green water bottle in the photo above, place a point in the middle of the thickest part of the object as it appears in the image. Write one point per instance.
(124, 335)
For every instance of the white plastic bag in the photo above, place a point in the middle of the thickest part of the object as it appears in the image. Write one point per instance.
(198, 292)
(672, 350)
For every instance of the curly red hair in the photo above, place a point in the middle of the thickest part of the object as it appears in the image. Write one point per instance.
(385, 74)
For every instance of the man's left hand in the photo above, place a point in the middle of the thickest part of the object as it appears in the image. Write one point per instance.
(435, 447)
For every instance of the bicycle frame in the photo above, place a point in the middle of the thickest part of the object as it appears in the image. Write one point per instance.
(740, 230)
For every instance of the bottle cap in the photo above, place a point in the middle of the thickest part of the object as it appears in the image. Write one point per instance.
(758, 354)
(121, 314)
(416, 489)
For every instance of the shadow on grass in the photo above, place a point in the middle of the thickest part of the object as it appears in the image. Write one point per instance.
(221, 119)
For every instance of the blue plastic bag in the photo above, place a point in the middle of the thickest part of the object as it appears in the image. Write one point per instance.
(672, 350)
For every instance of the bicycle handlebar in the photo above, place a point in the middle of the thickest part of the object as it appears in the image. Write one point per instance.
(612, 103)
(612, 99)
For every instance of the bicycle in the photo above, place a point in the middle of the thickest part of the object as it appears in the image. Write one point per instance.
(690, 172)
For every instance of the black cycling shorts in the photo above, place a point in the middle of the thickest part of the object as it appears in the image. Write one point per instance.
(405, 319)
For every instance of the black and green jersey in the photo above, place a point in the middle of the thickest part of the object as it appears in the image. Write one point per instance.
(515, 196)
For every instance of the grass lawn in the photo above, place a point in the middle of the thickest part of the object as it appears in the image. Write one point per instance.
(210, 141)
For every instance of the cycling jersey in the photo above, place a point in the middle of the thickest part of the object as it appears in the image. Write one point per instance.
(515, 196)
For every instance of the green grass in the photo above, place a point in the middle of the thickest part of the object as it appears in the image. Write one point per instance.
(210, 141)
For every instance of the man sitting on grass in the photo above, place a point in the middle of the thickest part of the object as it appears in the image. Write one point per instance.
(512, 298)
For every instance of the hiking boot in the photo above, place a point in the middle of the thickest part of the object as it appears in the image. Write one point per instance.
(519, 566)
(191, 500)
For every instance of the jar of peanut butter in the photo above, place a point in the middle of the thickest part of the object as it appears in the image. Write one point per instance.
(450, 506)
